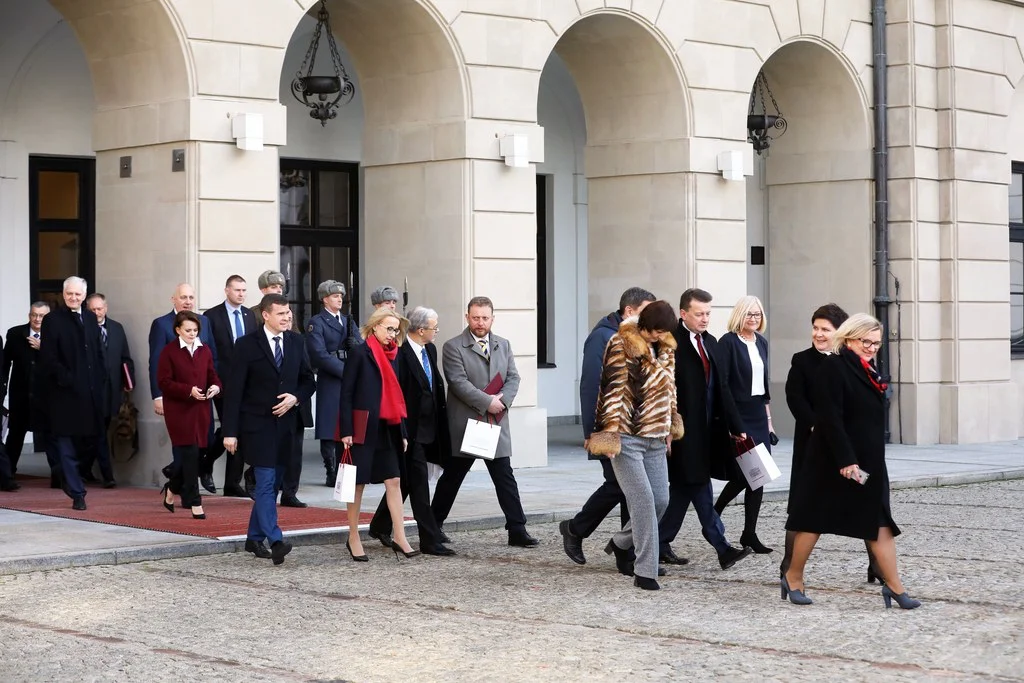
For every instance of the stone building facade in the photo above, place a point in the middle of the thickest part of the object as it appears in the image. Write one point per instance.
(626, 107)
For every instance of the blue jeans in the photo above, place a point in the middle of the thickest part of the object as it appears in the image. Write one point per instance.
(263, 518)
(679, 499)
(73, 485)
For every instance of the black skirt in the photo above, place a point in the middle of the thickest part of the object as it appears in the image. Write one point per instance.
(383, 463)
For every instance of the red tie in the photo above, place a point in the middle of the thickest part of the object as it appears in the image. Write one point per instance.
(703, 359)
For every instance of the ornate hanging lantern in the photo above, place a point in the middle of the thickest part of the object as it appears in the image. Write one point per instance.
(763, 126)
(316, 91)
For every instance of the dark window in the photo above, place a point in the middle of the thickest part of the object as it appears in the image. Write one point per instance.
(62, 220)
(1017, 260)
(545, 324)
(319, 232)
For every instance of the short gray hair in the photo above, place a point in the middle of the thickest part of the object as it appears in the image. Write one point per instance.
(382, 294)
(39, 304)
(420, 317)
(75, 280)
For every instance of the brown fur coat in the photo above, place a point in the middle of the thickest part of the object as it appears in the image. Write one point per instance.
(638, 391)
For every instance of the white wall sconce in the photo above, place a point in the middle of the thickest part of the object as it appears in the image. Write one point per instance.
(247, 130)
(515, 148)
(731, 166)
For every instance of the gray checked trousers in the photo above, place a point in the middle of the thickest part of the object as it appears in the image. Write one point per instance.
(641, 468)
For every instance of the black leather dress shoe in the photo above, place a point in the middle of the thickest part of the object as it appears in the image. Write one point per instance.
(235, 492)
(292, 502)
(10, 486)
(110, 484)
(257, 548)
(571, 543)
(444, 537)
(385, 539)
(278, 550)
(78, 504)
(522, 539)
(437, 550)
(732, 556)
(206, 480)
(623, 558)
(670, 557)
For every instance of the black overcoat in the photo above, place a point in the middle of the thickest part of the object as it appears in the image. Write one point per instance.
(252, 391)
(426, 407)
(118, 356)
(705, 445)
(23, 381)
(362, 389)
(74, 371)
(849, 429)
(800, 399)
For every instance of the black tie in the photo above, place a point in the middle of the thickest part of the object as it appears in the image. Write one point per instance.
(278, 353)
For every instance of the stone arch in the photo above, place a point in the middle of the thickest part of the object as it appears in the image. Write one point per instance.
(810, 201)
(636, 162)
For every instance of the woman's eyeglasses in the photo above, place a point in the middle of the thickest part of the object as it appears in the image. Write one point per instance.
(392, 330)
(755, 316)
(869, 344)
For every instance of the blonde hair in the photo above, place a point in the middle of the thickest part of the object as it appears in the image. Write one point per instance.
(380, 314)
(740, 310)
(855, 327)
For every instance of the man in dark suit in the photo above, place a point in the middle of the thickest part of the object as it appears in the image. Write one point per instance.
(329, 335)
(608, 494)
(472, 360)
(710, 416)
(7, 482)
(24, 392)
(229, 320)
(161, 333)
(270, 376)
(75, 372)
(120, 378)
(427, 427)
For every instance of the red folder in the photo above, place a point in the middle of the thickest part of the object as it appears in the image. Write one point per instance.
(493, 389)
(128, 384)
(359, 420)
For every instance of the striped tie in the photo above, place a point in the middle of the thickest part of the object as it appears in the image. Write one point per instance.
(278, 353)
(483, 347)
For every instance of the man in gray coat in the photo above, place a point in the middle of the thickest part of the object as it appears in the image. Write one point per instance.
(473, 361)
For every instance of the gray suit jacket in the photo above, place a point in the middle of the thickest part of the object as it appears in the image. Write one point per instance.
(468, 371)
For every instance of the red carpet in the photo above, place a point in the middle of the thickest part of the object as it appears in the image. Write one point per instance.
(140, 508)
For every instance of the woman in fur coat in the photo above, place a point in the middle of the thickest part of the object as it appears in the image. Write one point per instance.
(635, 424)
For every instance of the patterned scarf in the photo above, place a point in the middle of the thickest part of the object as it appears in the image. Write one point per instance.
(392, 403)
(872, 373)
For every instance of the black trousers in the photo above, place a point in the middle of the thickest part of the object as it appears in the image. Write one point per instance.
(293, 468)
(416, 487)
(505, 487)
(600, 504)
(93, 448)
(17, 428)
(185, 479)
(235, 462)
(6, 473)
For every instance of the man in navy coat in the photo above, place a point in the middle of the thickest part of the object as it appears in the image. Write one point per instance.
(161, 333)
(270, 377)
(329, 335)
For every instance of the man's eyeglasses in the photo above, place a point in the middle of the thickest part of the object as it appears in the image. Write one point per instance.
(870, 344)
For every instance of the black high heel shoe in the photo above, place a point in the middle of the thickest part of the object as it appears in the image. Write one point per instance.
(357, 558)
(754, 543)
(902, 599)
(197, 512)
(398, 549)
(163, 497)
(796, 597)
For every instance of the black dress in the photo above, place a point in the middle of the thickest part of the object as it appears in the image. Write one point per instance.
(373, 467)
(849, 429)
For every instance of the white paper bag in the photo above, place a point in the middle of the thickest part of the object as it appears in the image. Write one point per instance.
(481, 439)
(433, 471)
(757, 464)
(345, 483)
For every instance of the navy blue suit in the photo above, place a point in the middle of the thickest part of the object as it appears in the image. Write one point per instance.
(266, 441)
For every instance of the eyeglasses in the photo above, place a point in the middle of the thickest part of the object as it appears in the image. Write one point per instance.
(431, 329)
(391, 330)
(755, 316)
(869, 344)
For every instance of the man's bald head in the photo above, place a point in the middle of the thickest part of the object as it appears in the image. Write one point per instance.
(184, 298)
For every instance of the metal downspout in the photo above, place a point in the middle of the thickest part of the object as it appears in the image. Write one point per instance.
(882, 299)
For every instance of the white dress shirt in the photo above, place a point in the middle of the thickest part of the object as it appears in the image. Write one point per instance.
(756, 368)
(270, 339)
(192, 348)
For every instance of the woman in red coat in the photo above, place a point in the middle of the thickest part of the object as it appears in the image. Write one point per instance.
(188, 381)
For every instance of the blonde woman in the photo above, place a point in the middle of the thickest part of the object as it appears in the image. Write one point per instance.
(372, 423)
(834, 495)
(742, 357)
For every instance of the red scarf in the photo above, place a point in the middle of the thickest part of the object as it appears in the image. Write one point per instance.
(392, 403)
(876, 379)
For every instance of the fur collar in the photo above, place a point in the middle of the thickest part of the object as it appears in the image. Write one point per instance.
(636, 346)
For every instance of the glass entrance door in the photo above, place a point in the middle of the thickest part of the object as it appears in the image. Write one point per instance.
(319, 232)
(62, 221)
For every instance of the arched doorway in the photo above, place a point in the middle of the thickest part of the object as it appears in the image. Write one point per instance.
(619, 195)
(809, 202)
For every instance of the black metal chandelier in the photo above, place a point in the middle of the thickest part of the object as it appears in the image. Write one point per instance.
(762, 126)
(320, 88)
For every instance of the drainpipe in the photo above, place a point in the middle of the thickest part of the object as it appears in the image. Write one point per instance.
(882, 299)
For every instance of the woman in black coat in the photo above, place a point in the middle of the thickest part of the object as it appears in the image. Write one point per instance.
(371, 423)
(742, 357)
(834, 495)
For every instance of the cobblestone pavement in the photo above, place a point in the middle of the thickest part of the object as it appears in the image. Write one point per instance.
(496, 613)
